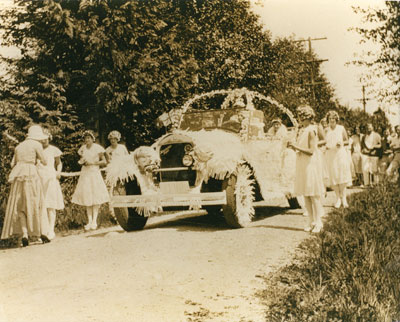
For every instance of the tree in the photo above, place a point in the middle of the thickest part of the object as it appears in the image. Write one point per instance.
(385, 31)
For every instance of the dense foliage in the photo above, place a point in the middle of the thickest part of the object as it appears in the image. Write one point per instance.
(382, 26)
(350, 271)
(119, 64)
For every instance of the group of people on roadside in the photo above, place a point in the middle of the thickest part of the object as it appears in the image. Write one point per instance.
(35, 193)
(375, 155)
(323, 161)
(327, 158)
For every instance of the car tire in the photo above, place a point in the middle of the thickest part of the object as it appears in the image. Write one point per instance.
(128, 218)
(230, 209)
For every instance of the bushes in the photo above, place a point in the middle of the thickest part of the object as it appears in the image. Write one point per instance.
(350, 271)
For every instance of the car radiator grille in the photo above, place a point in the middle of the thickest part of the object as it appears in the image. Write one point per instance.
(171, 157)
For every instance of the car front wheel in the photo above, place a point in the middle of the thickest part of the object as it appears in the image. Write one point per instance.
(128, 218)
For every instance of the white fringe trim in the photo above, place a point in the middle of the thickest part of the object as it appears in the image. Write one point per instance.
(244, 192)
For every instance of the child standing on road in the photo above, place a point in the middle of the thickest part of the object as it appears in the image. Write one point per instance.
(49, 176)
(91, 190)
(308, 180)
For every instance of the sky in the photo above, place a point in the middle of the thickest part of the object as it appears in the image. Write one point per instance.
(330, 19)
(318, 19)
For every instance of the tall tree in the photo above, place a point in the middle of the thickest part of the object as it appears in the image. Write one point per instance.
(383, 28)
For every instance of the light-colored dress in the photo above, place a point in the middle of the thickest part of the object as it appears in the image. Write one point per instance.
(120, 150)
(308, 180)
(337, 159)
(91, 189)
(26, 195)
(356, 153)
(51, 186)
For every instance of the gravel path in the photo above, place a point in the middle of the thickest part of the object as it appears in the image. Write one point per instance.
(179, 268)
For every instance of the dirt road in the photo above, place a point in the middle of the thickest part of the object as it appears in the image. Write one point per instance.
(179, 268)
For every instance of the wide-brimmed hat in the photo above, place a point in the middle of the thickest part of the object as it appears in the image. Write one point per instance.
(35, 132)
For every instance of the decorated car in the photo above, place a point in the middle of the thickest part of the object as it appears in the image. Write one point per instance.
(218, 159)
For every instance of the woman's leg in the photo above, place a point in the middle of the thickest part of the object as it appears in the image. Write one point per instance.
(318, 211)
(300, 200)
(343, 195)
(337, 193)
(51, 214)
(309, 208)
(24, 228)
(89, 212)
(95, 214)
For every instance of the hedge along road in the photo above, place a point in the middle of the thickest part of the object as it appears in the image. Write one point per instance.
(178, 268)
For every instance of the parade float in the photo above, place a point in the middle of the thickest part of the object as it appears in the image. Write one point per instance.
(216, 158)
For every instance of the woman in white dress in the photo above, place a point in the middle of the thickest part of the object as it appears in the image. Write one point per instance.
(25, 212)
(115, 149)
(49, 176)
(337, 159)
(308, 180)
(91, 190)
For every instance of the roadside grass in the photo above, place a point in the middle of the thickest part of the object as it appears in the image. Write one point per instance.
(348, 272)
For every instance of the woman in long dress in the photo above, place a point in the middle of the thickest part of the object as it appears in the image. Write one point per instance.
(91, 190)
(25, 212)
(50, 175)
(308, 180)
(337, 159)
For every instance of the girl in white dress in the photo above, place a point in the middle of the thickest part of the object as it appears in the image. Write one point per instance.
(115, 149)
(308, 180)
(337, 159)
(49, 176)
(91, 190)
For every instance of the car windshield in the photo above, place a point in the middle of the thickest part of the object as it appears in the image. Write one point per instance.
(212, 119)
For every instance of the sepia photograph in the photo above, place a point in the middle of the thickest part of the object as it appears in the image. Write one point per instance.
(199, 160)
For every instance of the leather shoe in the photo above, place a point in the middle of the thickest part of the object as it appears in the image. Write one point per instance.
(44, 239)
(25, 242)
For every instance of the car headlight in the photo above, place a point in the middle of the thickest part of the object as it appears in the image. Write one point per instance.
(187, 160)
(188, 148)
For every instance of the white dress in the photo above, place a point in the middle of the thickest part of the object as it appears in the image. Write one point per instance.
(308, 180)
(337, 159)
(91, 189)
(51, 186)
(120, 150)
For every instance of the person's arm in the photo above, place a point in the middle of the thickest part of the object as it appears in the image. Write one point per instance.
(13, 162)
(107, 156)
(345, 137)
(378, 143)
(321, 136)
(58, 165)
(311, 144)
(40, 154)
(102, 159)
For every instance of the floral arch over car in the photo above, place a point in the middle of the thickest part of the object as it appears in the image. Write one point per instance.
(219, 159)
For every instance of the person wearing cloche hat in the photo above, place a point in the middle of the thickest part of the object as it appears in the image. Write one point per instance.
(91, 191)
(115, 149)
(308, 179)
(25, 212)
(277, 130)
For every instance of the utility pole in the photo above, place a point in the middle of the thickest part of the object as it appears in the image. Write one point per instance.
(363, 99)
(311, 62)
